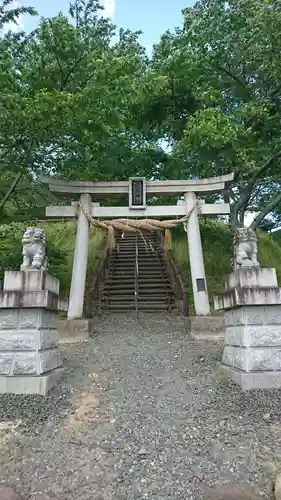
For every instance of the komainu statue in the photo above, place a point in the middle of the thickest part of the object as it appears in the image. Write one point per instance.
(34, 249)
(245, 248)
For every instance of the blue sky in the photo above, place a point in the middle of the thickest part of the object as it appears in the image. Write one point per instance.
(153, 17)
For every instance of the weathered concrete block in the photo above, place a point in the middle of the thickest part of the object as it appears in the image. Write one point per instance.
(205, 326)
(46, 339)
(37, 318)
(252, 305)
(6, 363)
(254, 380)
(273, 315)
(244, 316)
(28, 340)
(36, 299)
(253, 315)
(13, 281)
(251, 277)
(231, 356)
(48, 360)
(48, 319)
(28, 332)
(43, 298)
(247, 296)
(52, 284)
(252, 359)
(34, 280)
(75, 330)
(30, 385)
(62, 304)
(264, 335)
(10, 300)
(35, 362)
(253, 335)
(25, 363)
(29, 318)
(30, 280)
(8, 318)
(11, 340)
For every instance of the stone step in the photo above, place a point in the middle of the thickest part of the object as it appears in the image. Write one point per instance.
(121, 297)
(121, 307)
(142, 272)
(128, 294)
(142, 285)
(130, 235)
(130, 279)
(149, 263)
(145, 293)
(141, 307)
(144, 262)
(149, 247)
(155, 292)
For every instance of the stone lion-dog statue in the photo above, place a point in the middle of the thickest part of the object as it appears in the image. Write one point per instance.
(245, 248)
(34, 249)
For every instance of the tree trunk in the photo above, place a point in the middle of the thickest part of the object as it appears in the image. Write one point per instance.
(10, 191)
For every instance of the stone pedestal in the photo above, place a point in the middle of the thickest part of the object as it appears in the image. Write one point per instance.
(251, 301)
(75, 330)
(30, 361)
(205, 327)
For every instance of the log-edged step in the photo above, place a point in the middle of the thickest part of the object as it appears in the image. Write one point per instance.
(154, 289)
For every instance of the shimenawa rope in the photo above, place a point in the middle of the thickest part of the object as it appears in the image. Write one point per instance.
(136, 225)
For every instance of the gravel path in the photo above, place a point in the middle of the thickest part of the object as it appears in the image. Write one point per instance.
(142, 412)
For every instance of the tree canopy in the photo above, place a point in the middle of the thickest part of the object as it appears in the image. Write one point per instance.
(81, 100)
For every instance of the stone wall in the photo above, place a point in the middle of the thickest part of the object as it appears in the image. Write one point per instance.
(28, 341)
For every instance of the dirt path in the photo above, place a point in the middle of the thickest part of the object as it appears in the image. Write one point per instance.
(142, 412)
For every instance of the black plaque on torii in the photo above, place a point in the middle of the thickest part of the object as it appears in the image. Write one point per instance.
(137, 193)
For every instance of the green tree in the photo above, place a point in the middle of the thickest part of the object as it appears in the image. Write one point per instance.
(10, 14)
(79, 91)
(220, 108)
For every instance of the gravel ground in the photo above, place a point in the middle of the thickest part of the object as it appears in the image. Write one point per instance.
(142, 412)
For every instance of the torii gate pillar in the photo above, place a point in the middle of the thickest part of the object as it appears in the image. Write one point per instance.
(196, 259)
(79, 269)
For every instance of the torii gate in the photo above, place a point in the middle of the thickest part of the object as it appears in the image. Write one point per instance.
(138, 189)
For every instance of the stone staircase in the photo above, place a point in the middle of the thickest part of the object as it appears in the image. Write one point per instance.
(138, 278)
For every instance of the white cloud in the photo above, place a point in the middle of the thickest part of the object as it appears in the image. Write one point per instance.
(18, 25)
(109, 8)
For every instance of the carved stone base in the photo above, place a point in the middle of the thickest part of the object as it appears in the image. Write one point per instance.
(75, 330)
(205, 327)
(249, 286)
(30, 385)
(28, 342)
(252, 352)
(29, 354)
(254, 380)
